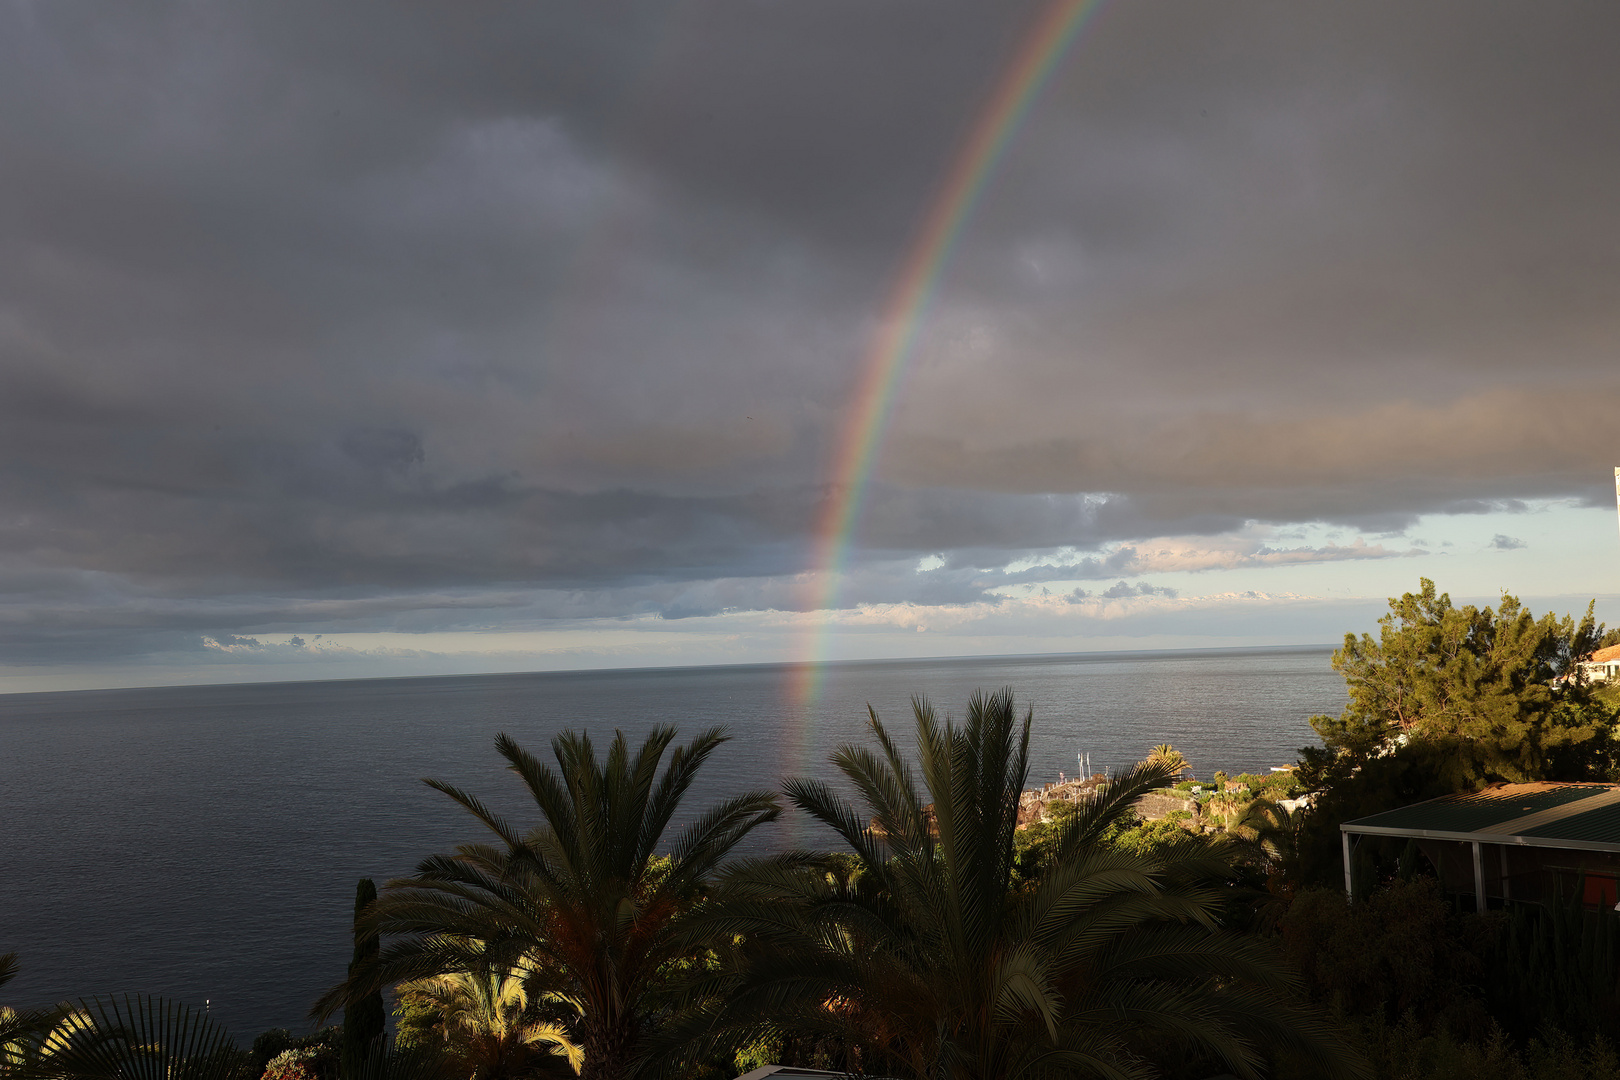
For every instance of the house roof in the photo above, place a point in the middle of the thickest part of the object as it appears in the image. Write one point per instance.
(1604, 655)
(1535, 815)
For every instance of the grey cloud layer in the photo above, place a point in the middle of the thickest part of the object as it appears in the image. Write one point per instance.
(376, 305)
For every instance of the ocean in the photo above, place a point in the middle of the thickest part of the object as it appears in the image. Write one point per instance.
(203, 842)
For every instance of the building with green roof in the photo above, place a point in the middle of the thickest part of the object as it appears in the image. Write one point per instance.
(1529, 842)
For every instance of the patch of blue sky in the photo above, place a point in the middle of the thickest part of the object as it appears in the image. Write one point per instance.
(1550, 549)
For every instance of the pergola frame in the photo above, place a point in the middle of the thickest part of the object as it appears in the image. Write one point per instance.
(1477, 840)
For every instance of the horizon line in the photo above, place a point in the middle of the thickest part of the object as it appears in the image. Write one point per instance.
(786, 664)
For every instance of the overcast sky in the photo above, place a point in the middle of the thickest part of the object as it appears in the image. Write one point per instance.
(370, 339)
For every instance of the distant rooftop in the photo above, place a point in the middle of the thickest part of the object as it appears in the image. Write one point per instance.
(1605, 655)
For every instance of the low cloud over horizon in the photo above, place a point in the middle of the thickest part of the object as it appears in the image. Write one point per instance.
(324, 323)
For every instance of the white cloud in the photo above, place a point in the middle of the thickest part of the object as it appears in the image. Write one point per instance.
(1250, 548)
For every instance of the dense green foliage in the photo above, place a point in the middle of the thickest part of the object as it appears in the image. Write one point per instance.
(1449, 699)
(580, 900)
(1494, 688)
(932, 962)
(317, 1054)
(482, 1026)
(1432, 991)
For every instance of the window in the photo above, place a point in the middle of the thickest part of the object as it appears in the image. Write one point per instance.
(1600, 891)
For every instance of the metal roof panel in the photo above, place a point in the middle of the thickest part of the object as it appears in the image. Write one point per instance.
(1478, 811)
(1600, 825)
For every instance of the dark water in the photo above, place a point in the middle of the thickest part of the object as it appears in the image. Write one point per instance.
(204, 842)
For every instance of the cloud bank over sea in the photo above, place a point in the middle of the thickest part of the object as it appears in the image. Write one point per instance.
(376, 340)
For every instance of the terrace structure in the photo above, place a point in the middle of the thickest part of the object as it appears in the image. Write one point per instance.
(1511, 842)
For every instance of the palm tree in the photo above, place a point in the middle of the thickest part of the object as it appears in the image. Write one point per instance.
(1266, 837)
(489, 1028)
(1228, 808)
(130, 1038)
(583, 900)
(1168, 756)
(113, 1039)
(932, 965)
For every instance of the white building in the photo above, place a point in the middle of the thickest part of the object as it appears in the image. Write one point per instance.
(1602, 665)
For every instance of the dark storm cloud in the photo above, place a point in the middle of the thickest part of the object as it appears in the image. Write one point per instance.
(555, 310)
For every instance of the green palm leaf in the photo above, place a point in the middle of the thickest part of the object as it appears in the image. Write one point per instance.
(582, 900)
(131, 1038)
(929, 964)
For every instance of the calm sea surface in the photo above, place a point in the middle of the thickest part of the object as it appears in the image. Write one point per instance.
(204, 842)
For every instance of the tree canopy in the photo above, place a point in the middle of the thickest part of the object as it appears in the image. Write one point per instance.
(1500, 690)
(1451, 698)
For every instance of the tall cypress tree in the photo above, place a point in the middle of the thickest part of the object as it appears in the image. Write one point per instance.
(363, 1021)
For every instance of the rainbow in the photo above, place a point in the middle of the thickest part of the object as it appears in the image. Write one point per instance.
(1039, 55)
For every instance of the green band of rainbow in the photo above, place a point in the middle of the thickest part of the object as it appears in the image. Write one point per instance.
(1039, 56)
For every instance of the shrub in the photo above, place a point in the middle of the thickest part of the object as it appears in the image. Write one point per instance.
(299, 1064)
(1398, 954)
(278, 1054)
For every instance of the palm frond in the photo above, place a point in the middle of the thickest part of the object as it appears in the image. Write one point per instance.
(1108, 805)
(930, 961)
(579, 901)
(135, 1037)
(819, 801)
(673, 786)
(474, 806)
